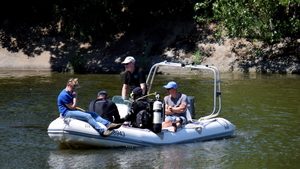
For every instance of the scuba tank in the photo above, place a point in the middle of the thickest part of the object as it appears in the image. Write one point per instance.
(157, 115)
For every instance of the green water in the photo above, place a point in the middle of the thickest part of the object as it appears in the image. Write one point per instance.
(264, 107)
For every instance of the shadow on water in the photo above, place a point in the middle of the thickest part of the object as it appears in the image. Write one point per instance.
(29, 127)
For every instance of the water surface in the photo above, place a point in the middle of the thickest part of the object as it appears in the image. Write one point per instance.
(264, 107)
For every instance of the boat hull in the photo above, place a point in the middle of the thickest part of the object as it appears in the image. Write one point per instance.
(76, 132)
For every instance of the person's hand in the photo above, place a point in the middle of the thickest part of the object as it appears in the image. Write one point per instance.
(75, 94)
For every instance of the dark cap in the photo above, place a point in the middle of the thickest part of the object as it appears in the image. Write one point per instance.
(137, 93)
(102, 92)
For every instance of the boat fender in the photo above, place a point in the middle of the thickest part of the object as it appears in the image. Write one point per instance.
(157, 113)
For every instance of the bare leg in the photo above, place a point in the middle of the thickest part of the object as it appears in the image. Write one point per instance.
(166, 123)
(178, 122)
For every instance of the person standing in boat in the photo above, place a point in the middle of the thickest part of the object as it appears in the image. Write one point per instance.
(134, 76)
(105, 108)
(67, 102)
(175, 107)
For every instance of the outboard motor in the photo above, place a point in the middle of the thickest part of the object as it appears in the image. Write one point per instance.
(157, 115)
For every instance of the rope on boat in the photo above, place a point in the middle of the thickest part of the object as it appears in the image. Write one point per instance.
(78, 108)
(145, 96)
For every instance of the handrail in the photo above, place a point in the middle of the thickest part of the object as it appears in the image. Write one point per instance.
(217, 81)
(217, 94)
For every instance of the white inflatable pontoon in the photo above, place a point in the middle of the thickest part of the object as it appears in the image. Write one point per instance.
(75, 132)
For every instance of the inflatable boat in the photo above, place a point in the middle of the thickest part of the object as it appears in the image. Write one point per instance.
(76, 133)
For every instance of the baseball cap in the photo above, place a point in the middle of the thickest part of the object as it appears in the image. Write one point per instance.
(102, 92)
(128, 59)
(171, 84)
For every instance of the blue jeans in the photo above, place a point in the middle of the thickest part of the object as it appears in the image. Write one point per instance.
(173, 118)
(91, 117)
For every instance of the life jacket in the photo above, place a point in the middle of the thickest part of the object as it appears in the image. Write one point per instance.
(100, 106)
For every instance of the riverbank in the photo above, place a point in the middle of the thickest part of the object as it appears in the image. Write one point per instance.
(221, 57)
(183, 43)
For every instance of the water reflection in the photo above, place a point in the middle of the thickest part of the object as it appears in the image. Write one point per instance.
(212, 154)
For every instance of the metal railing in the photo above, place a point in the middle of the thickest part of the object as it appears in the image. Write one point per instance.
(217, 100)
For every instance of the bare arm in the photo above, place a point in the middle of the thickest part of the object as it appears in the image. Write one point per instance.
(124, 90)
(175, 110)
(144, 88)
(72, 106)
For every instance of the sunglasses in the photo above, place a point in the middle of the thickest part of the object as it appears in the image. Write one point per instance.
(126, 64)
(169, 88)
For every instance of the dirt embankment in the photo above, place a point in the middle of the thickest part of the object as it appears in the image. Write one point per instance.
(180, 42)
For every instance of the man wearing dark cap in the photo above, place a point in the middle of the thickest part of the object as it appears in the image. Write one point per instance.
(105, 108)
(134, 77)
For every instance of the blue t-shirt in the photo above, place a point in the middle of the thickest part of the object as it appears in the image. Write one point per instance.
(64, 98)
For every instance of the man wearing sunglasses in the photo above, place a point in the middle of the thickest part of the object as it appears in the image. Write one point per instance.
(134, 76)
(175, 107)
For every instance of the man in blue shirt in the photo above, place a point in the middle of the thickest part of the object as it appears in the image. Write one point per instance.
(67, 102)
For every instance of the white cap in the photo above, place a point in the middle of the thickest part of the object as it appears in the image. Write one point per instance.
(128, 59)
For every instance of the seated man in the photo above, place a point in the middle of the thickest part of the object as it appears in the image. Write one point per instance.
(67, 102)
(105, 108)
(175, 107)
(139, 106)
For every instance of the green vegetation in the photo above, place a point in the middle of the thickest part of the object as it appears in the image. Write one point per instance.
(37, 26)
(265, 20)
(95, 20)
(197, 57)
(77, 63)
(91, 20)
(98, 20)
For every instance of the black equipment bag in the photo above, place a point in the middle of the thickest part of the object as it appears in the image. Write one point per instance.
(144, 119)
